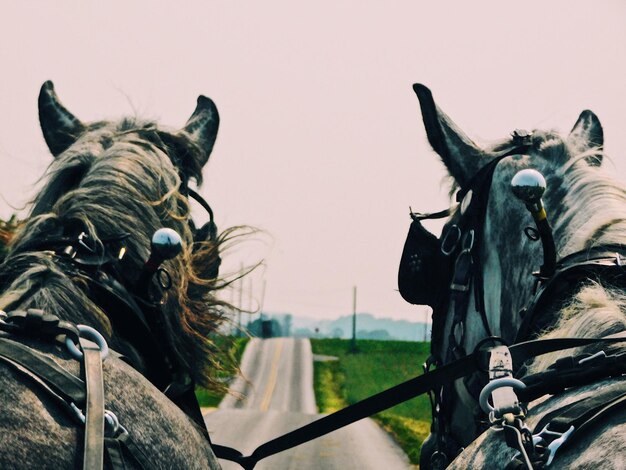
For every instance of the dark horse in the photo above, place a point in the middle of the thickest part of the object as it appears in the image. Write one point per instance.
(581, 296)
(80, 256)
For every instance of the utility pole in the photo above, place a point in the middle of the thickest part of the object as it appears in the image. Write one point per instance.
(250, 296)
(262, 296)
(353, 347)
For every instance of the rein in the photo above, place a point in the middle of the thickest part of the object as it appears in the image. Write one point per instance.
(461, 240)
(70, 390)
(425, 383)
(431, 381)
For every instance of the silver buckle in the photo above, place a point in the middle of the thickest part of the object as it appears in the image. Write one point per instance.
(557, 439)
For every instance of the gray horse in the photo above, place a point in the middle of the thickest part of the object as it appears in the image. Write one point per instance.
(587, 209)
(112, 183)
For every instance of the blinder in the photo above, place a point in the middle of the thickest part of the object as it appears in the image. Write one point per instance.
(423, 267)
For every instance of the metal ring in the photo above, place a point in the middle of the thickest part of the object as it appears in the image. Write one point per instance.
(164, 278)
(485, 393)
(532, 233)
(89, 333)
(112, 424)
(445, 242)
(78, 413)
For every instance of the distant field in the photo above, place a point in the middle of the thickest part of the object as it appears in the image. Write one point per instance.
(232, 349)
(376, 366)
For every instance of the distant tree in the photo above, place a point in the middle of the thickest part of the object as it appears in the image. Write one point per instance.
(374, 334)
(255, 328)
(303, 333)
(276, 328)
(337, 332)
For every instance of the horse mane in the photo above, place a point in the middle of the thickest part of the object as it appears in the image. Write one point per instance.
(587, 208)
(121, 178)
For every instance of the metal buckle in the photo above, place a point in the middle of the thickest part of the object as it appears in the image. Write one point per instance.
(556, 438)
(521, 137)
(466, 250)
(91, 334)
(501, 387)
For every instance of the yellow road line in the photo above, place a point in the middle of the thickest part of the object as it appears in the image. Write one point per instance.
(271, 382)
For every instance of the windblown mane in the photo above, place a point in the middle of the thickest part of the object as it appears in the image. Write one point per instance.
(116, 179)
(591, 212)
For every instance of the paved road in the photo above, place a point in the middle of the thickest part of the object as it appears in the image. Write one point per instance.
(276, 398)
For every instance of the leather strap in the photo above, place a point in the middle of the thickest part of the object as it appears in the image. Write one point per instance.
(93, 455)
(398, 394)
(583, 413)
(64, 384)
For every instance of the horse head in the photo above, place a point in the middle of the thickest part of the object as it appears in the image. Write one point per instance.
(111, 185)
(503, 253)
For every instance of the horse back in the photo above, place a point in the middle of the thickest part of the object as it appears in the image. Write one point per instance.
(37, 432)
(600, 447)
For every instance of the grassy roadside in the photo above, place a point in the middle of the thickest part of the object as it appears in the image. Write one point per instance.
(376, 366)
(232, 349)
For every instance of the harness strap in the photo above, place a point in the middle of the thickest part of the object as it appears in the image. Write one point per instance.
(561, 426)
(399, 394)
(132, 450)
(583, 413)
(606, 261)
(570, 372)
(369, 406)
(93, 454)
(113, 454)
(70, 388)
(121, 449)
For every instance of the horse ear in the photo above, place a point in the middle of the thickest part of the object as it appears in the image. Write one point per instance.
(60, 127)
(202, 126)
(462, 157)
(587, 134)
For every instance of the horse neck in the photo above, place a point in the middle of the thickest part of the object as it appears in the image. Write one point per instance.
(595, 311)
(590, 210)
(592, 213)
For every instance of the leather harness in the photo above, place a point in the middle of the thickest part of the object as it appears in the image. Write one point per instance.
(106, 438)
(69, 389)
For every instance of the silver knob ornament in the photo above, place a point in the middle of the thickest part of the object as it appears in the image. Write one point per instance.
(528, 185)
(166, 244)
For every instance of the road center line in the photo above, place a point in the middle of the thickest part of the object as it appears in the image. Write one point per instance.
(271, 382)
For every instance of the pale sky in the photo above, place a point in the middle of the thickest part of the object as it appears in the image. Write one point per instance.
(321, 142)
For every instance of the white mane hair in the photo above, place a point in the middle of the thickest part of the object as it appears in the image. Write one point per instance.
(596, 199)
(591, 212)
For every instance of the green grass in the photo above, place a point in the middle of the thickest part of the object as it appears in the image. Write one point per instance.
(376, 366)
(232, 349)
